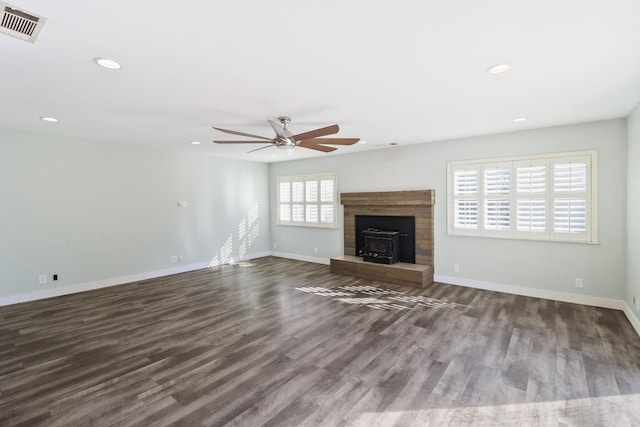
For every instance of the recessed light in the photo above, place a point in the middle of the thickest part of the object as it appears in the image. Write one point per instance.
(107, 63)
(49, 119)
(195, 142)
(519, 119)
(498, 68)
(362, 142)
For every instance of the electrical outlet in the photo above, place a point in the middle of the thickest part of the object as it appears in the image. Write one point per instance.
(579, 282)
(42, 279)
(55, 277)
(315, 250)
(636, 302)
(456, 268)
(275, 245)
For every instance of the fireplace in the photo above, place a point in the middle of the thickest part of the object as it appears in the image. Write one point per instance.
(386, 239)
(417, 204)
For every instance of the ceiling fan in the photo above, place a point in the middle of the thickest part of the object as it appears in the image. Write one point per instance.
(285, 139)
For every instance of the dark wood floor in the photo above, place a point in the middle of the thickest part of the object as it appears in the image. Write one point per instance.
(286, 343)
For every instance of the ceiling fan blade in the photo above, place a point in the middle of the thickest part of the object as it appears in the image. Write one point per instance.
(317, 147)
(329, 130)
(332, 141)
(234, 132)
(261, 148)
(277, 128)
(239, 142)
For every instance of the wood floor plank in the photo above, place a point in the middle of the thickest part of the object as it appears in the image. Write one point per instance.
(284, 342)
(571, 379)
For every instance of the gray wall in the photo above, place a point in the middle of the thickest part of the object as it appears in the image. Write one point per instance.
(529, 264)
(633, 209)
(92, 211)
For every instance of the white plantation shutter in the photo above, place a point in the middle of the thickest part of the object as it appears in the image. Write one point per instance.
(312, 213)
(497, 180)
(531, 177)
(327, 190)
(465, 182)
(465, 189)
(496, 214)
(532, 215)
(570, 177)
(285, 212)
(297, 191)
(543, 197)
(326, 214)
(570, 215)
(298, 213)
(570, 198)
(285, 192)
(284, 195)
(531, 197)
(466, 214)
(497, 203)
(307, 200)
(311, 193)
(311, 196)
(328, 201)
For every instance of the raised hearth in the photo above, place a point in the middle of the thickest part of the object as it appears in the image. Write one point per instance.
(400, 273)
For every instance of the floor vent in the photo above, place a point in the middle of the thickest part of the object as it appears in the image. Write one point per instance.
(19, 23)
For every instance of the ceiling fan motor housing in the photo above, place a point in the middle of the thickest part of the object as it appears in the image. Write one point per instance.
(285, 143)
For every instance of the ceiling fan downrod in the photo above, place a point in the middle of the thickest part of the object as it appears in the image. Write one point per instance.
(287, 142)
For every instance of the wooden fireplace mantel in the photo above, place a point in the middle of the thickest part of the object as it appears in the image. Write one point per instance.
(418, 203)
(389, 198)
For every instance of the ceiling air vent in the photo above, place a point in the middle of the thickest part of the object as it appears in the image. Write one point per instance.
(19, 23)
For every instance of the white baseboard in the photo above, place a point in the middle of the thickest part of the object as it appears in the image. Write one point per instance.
(498, 287)
(97, 284)
(254, 255)
(113, 281)
(531, 292)
(542, 293)
(298, 257)
(633, 319)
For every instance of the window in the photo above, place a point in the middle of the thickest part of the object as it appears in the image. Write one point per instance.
(308, 200)
(545, 197)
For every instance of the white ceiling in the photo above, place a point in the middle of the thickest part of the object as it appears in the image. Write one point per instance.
(404, 72)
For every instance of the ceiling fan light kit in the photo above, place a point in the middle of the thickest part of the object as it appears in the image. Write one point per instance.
(286, 140)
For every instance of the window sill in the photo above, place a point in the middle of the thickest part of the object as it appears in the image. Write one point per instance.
(582, 242)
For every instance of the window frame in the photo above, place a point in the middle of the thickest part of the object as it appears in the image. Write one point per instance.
(304, 205)
(549, 194)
